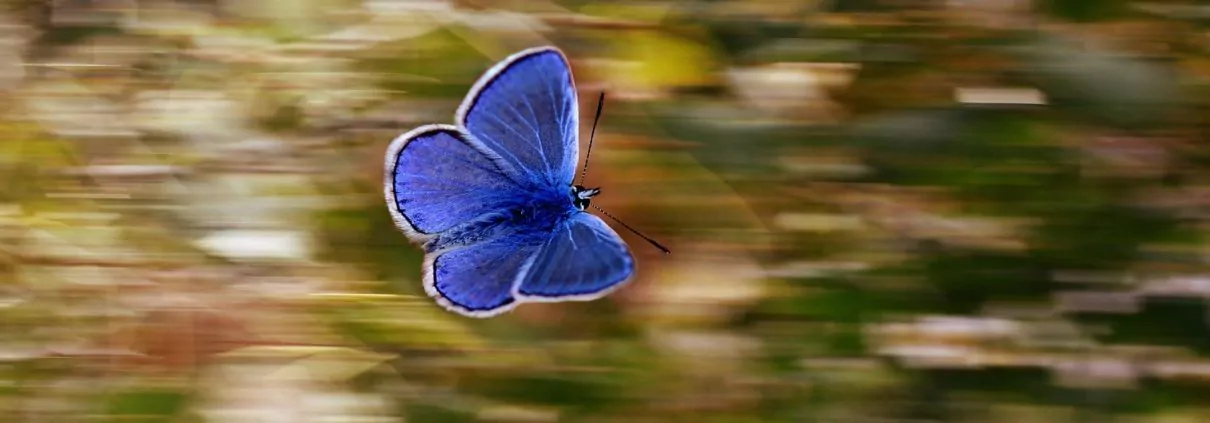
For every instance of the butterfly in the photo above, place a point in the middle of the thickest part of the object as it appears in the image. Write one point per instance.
(492, 199)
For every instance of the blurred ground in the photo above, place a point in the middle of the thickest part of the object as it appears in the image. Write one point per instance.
(880, 211)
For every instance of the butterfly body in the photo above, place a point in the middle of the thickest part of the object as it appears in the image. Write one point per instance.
(534, 219)
(492, 200)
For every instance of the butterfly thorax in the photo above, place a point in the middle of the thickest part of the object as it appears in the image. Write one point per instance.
(581, 197)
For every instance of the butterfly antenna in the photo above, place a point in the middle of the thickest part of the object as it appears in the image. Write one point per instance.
(593, 134)
(584, 172)
(640, 234)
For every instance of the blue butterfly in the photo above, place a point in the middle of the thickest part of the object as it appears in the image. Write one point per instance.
(492, 199)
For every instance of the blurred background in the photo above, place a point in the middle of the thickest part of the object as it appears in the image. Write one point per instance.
(879, 211)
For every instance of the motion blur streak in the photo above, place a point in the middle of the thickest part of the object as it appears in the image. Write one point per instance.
(960, 211)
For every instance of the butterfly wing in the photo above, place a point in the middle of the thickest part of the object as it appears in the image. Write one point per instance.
(437, 179)
(525, 111)
(477, 280)
(583, 259)
(438, 183)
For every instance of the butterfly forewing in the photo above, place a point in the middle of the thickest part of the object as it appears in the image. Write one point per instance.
(437, 180)
(526, 111)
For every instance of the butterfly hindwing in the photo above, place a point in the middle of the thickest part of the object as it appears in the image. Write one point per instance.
(437, 179)
(478, 280)
(583, 259)
(525, 110)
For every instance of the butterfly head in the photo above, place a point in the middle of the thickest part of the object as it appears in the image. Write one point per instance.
(581, 197)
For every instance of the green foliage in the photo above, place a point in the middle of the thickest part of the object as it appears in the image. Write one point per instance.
(151, 406)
